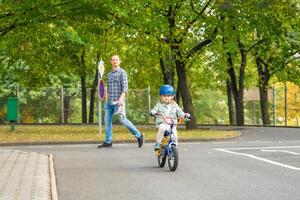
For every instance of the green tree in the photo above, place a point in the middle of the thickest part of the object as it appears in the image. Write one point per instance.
(181, 29)
(276, 40)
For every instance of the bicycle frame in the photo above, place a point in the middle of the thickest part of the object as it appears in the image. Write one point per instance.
(169, 137)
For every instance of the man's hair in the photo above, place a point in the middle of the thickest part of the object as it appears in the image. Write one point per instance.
(116, 56)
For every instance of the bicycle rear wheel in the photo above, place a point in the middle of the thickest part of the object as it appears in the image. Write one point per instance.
(173, 158)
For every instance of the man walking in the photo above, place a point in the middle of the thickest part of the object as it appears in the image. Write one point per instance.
(117, 88)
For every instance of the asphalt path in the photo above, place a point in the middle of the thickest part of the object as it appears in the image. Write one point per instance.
(263, 163)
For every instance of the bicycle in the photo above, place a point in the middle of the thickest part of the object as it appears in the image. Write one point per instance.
(168, 148)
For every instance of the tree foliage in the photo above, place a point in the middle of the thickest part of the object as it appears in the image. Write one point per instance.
(185, 43)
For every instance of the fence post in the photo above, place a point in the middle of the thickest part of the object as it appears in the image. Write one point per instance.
(274, 105)
(149, 103)
(18, 96)
(62, 105)
(285, 104)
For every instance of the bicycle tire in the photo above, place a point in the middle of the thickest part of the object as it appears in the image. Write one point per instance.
(161, 158)
(173, 158)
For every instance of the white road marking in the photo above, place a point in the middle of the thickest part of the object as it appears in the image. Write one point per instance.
(289, 152)
(276, 147)
(223, 142)
(259, 158)
(291, 141)
(261, 142)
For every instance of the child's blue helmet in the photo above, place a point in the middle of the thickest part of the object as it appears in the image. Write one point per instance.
(166, 90)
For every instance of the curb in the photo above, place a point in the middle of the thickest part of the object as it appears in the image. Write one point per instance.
(115, 142)
(52, 179)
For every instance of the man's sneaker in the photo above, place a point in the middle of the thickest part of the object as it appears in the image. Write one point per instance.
(141, 140)
(104, 145)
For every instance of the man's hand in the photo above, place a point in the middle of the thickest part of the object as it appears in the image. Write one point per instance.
(121, 99)
(120, 102)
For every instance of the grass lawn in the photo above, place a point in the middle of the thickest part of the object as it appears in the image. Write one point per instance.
(75, 133)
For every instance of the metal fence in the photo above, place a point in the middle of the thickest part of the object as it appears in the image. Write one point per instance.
(46, 106)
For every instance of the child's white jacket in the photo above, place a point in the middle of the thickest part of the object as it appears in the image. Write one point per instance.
(168, 110)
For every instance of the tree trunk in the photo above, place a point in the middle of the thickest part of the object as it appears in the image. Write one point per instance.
(185, 94)
(92, 97)
(239, 106)
(67, 102)
(83, 100)
(82, 73)
(240, 96)
(232, 119)
(264, 105)
(264, 77)
(167, 69)
(238, 87)
(178, 94)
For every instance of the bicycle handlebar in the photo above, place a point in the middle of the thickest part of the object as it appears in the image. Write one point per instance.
(186, 118)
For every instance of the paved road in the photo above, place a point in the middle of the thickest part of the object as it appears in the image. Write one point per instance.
(264, 163)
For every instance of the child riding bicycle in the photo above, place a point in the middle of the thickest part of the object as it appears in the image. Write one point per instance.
(166, 107)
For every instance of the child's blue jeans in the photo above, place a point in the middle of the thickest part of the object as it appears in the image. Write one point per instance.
(110, 110)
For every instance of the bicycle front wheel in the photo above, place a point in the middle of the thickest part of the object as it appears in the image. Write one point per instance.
(173, 158)
(161, 158)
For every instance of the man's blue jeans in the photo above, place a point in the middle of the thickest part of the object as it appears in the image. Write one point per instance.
(110, 110)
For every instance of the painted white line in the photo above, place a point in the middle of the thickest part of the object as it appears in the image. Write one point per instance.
(276, 147)
(261, 159)
(223, 142)
(291, 141)
(289, 152)
(260, 142)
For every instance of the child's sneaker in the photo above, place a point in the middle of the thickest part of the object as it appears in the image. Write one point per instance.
(156, 146)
